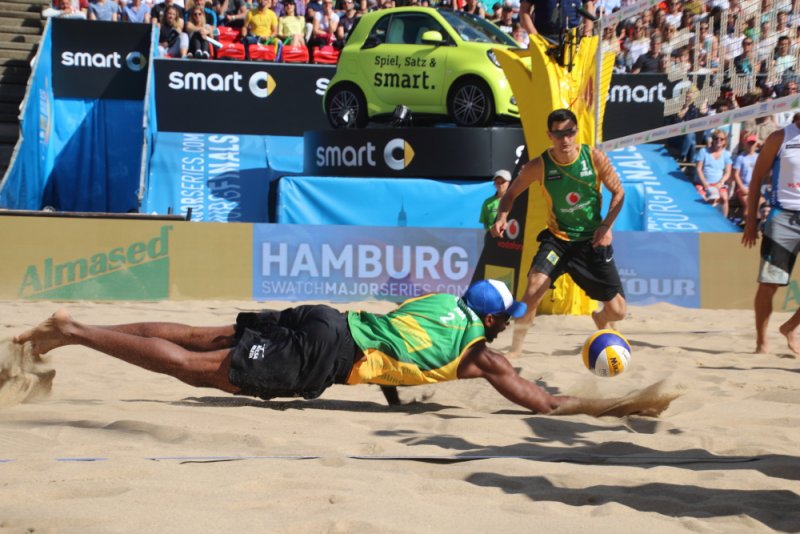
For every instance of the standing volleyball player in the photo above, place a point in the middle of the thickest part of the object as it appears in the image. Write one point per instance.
(577, 239)
(781, 154)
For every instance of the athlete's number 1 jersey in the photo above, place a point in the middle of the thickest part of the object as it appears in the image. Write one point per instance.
(573, 195)
(420, 342)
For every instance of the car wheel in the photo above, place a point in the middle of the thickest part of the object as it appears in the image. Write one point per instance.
(346, 107)
(471, 103)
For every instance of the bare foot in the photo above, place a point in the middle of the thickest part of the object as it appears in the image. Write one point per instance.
(50, 334)
(791, 340)
(600, 323)
(762, 349)
(597, 321)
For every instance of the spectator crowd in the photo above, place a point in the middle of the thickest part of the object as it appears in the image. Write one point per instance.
(756, 40)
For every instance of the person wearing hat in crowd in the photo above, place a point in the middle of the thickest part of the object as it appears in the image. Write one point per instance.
(301, 351)
(506, 21)
(497, 10)
(489, 208)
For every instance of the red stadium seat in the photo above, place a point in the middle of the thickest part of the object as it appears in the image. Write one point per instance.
(231, 51)
(326, 55)
(228, 34)
(260, 52)
(294, 54)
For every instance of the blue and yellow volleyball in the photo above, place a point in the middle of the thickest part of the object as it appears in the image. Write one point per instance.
(606, 353)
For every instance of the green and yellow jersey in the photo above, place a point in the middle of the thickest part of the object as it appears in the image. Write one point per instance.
(573, 196)
(420, 342)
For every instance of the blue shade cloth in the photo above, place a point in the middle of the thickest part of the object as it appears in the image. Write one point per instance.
(414, 202)
(98, 144)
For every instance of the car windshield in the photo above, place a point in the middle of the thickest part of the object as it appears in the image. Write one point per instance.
(475, 29)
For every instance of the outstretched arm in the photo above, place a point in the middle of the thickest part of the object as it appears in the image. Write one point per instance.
(483, 362)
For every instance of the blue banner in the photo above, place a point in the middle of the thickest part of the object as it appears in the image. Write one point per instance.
(25, 180)
(74, 154)
(349, 263)
(381, 202)
(665, 269)
(671, 202)
(222, 178)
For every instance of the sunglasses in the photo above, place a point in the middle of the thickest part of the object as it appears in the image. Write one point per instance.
(561, 134)
(719, 138)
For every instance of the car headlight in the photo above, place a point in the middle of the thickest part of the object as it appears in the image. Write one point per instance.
(493, 58)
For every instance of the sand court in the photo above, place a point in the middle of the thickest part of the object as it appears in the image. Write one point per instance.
(115, 448)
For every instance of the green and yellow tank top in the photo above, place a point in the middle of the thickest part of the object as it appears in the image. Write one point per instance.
(420, 342)
(573, 196)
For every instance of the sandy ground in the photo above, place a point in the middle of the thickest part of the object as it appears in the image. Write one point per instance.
(114, 448)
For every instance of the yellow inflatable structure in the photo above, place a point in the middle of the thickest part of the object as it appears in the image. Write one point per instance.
(541, 85)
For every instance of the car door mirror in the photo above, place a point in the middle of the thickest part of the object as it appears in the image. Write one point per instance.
(370, 42)
(432, 37)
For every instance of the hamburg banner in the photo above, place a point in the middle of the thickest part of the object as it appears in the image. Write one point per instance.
(94, 59)
(345, 263)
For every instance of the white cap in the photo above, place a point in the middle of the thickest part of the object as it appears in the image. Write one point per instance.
(504, 174)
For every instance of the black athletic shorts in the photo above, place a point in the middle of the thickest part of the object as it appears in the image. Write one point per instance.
(593, 269)
(297, 352)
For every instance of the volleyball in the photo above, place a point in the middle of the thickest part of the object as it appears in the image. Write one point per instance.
(606, 353)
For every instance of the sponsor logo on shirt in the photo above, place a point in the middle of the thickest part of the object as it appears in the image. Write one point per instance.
(257, 352)
(572, 198)
(553, 174)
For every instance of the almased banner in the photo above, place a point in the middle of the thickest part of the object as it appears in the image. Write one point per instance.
(240, 97)
(75, 258)
(351, 263)
(94, 59)
(134, 267)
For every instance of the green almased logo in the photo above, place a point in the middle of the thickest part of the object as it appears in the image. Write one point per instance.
(138, 271)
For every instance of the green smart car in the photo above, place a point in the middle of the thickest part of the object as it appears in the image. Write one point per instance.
(434, 62)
